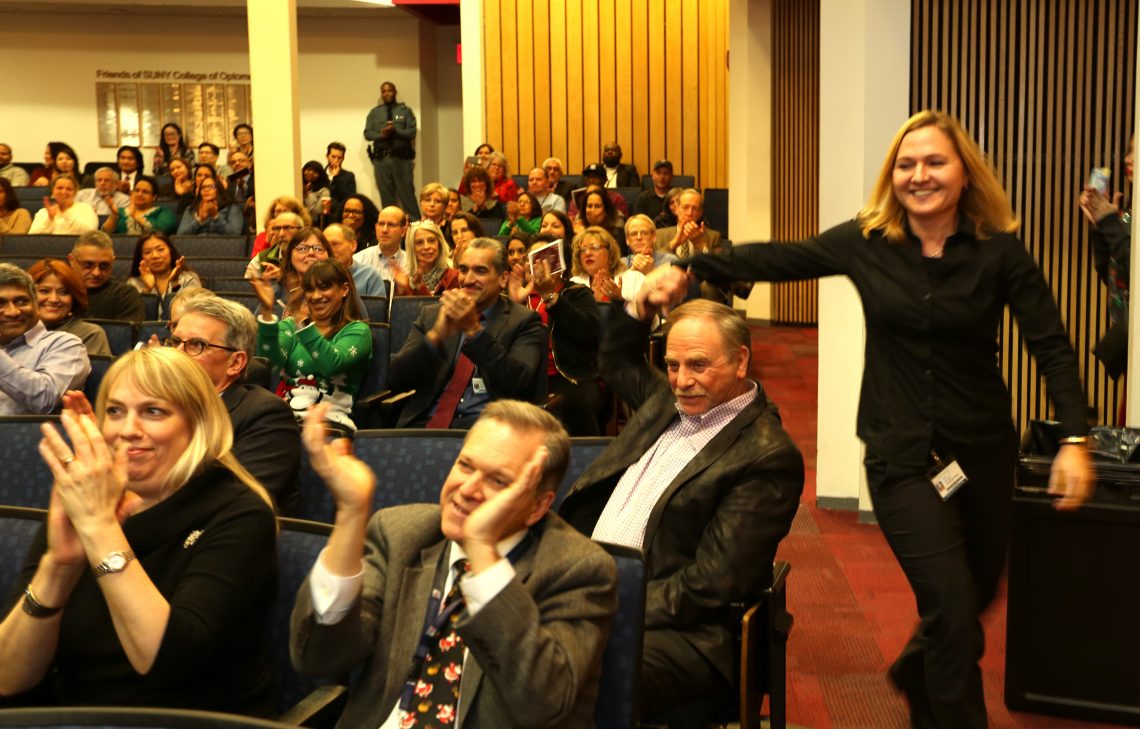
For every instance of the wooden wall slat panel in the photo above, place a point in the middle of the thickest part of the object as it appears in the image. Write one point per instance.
(523, 159)
(649, 74)
(542, 103)
(559, 91)
(795, 148)
(658, 142)
(1046, 88)
(576, 99)
(640, 118)
(623, 78)
(607, 83)
(591, 100)
(509, 141)
(492, 74)
(690, 101)
(674, 61)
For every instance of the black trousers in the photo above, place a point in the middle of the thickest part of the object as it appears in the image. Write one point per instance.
(953, 553)
(679, 686)
(581, 404)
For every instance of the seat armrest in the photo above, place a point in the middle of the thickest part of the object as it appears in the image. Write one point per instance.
(318, 710)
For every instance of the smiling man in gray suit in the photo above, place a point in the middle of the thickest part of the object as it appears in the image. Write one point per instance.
(703, 478)
(518, 644)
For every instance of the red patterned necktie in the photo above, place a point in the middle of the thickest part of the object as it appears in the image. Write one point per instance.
(437, 690)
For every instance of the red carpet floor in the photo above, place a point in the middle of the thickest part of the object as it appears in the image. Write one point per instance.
(853, 609)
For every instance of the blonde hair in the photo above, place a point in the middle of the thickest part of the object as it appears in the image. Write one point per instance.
(167, 374)
(983, 201)
(603, 236)
(444, 259)
(292, 205)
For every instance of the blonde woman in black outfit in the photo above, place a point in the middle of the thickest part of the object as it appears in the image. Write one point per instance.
(935, 260)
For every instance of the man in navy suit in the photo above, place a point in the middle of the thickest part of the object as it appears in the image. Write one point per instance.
(505, 341)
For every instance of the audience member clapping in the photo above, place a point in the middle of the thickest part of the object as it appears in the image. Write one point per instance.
(480, 200)
(42, 175)
(641, 235)
(62, 300)
(323, 351)
(343, 243)
(14, 219)
(243, 140)
(360, 213)
(36, 366)
(143, 214)
(597, 263)
(282, 204)
(506, 189)
(429, 266)
(154, 574)
(433, 204)
(157, 268)
(465, 228)
(572, 317)
(318, 199)
(61, 214)
(212, 213)
(129, 161)
(172, 147)
(525, 215)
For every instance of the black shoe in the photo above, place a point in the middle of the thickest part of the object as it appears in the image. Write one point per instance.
(912, 684)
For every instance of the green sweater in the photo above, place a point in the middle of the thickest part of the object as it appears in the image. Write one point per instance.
(315, 369)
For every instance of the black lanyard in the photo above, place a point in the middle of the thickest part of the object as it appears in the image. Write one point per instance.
(435, 619)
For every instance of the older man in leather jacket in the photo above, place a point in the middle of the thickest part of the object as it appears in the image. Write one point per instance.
(703, 478)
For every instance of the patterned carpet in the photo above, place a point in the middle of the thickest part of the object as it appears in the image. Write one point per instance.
(853, 610)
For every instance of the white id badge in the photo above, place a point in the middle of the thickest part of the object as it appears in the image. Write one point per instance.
(949, 480)
(478, 386)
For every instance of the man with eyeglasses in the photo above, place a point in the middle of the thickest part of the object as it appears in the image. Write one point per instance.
(93, 258)
(220, 336)
(36, 366)
(390, 229)
(267, 264)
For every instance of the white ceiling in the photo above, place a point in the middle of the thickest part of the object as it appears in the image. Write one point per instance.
(187, 7)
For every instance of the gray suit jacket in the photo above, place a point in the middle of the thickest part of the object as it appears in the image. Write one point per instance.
(510, 356)
(712, 536)
(535, 650)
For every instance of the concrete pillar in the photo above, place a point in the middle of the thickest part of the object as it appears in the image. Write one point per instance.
(750, 132)
(864, 90)
(471, 40)
(276, 109)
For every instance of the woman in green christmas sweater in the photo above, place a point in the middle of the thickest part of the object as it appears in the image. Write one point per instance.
(324, 350)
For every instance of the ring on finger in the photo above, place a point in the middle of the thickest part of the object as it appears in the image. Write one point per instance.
(67, 461)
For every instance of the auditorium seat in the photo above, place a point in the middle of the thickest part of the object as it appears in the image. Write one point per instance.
(410, 464)
(18, 525)
(28, 480)
(405, 310)
(618, 686)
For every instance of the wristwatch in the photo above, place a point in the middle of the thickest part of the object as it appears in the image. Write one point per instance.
(113, 562)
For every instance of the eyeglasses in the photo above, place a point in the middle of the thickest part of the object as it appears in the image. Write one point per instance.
(194, 347)
(209, 186)
(308, 249)
(95, 265)
(595, 247)
(639, 234)
(284, 228)
(347, 211)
